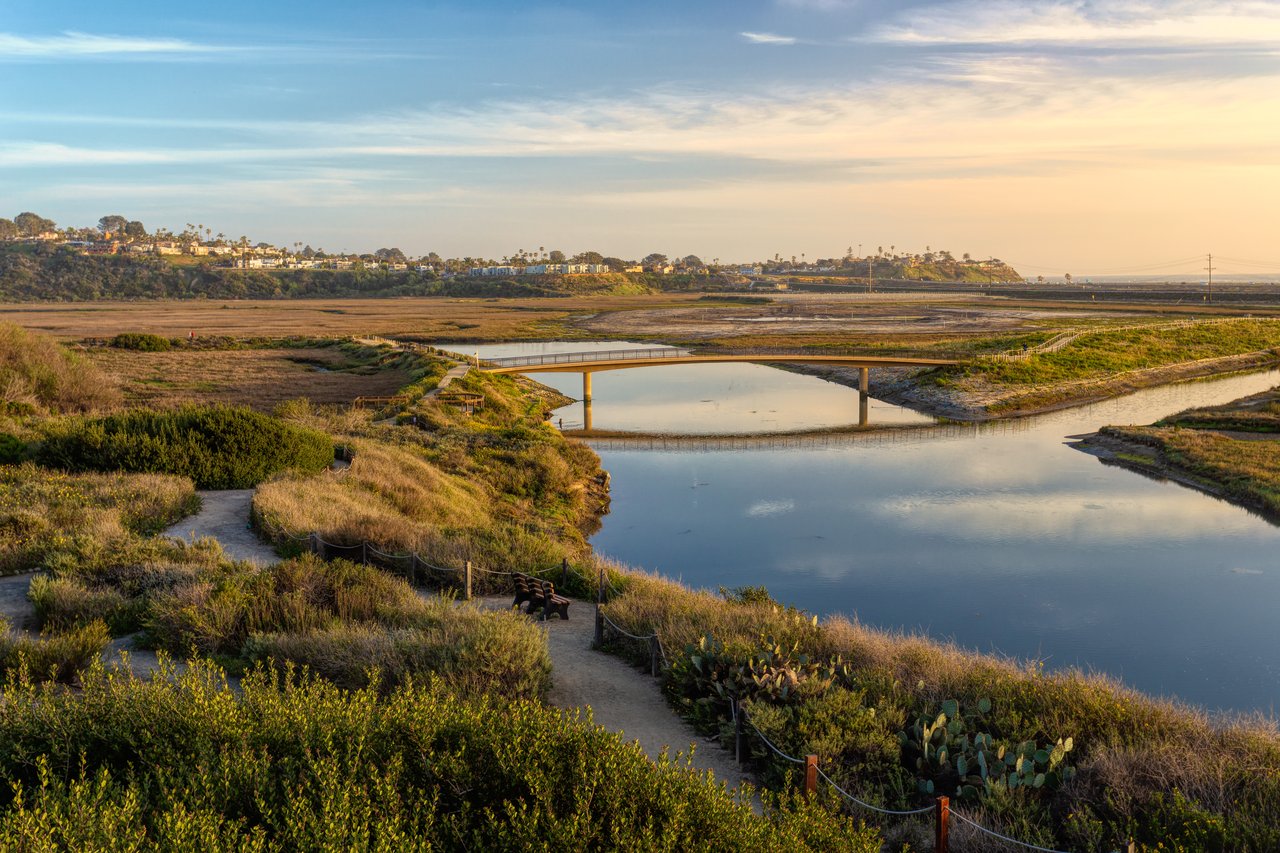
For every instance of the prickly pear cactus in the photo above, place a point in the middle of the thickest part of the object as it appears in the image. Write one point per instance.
(955, 754)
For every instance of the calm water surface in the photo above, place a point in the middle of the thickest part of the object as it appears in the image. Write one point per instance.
(1000, 537)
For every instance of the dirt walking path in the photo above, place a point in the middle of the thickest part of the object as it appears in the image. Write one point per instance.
(224, 515)
(622, 698)
(14, 606)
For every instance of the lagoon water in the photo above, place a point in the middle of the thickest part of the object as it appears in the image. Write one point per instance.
(1000, 537)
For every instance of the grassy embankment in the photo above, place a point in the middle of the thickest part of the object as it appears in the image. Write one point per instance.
(1104, 363)
(1231, 450)
(500, 487)
(861, 700)
(442, 743)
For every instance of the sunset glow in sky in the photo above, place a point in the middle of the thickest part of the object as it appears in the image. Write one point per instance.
(1090, 137)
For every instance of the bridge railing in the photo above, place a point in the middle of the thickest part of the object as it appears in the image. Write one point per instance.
(578, 357)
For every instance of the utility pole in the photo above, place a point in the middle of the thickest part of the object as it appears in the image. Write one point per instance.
(1210, 269)
(869, 262)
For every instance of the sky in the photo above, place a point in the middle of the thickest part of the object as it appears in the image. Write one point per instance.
(1082, 136)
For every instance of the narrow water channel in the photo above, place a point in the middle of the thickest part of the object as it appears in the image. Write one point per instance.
(1000, 537)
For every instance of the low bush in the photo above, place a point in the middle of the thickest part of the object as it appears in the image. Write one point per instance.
(181, 762)
(12, 449)
(50, 516)
(60, 657)
(217, 447)
(474, 653)
(141, 342)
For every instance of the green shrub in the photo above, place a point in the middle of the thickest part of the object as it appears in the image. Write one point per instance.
(12, 449)
(64, 603)
(181, 762)
(217, 447)
(141, 342)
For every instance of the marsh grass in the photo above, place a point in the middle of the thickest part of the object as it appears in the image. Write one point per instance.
(1156, 769)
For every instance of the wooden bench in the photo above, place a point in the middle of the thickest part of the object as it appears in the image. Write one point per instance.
(540, 595)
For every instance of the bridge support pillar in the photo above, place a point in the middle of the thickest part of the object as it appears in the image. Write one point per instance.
(864, 379)
(586, 400)
(864, 414)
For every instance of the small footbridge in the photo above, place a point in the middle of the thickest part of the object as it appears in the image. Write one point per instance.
(587, 363)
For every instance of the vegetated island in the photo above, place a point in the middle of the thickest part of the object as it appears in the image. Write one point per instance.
(1092, 364)
(1231, 451)
(420, 721)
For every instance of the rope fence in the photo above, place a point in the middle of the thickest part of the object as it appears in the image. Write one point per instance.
(940, 808)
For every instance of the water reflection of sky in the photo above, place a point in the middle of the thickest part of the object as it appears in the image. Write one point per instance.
(1000, 537)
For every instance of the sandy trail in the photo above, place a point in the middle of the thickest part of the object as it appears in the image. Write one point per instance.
(14, 606)
(224, 515)
(622, 698)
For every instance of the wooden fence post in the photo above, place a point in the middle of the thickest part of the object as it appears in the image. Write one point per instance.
(653, 657)
(466, 580)
(739, 732)
(364, 552)
(941, 818)
(564, 573)
(811, 774)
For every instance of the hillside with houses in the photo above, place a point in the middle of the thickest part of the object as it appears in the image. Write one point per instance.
(119, 258)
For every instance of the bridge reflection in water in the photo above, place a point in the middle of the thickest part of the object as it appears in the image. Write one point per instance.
(591, 362)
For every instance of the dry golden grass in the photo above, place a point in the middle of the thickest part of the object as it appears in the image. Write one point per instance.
(39, 375)
(422, 317)
(390, 496)
(261, 379)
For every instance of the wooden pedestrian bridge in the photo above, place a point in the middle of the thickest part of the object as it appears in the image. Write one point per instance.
(590, 362)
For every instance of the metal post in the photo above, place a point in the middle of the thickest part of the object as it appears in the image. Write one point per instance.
(811, 774)
(941, 817)
(466, 579)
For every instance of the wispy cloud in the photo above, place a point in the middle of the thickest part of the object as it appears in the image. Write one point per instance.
(985, 115)
(768, 38)
(1076, 22)
(823, 5)
(77, 44)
